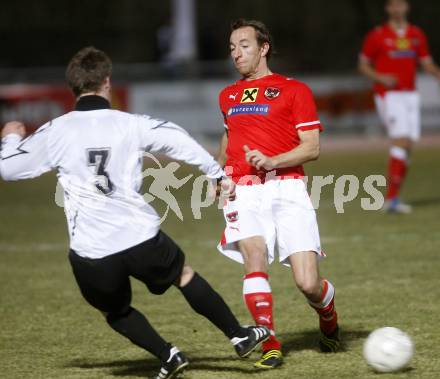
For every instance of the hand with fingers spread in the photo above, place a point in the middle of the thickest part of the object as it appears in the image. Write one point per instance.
(257, 159)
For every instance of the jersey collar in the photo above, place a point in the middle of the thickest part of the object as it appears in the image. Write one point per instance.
(91, 103)
(266, 77)
(399, 33)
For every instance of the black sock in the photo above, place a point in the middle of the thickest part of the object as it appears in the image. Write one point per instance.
(206, 302)
(133, 325)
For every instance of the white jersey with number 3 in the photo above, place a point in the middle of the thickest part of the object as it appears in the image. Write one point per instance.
(98, 155)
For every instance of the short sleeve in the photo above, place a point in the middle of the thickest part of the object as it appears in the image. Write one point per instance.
(370, 46)
(305, 115)
(225, 121)
(222, 109)
(423, 48)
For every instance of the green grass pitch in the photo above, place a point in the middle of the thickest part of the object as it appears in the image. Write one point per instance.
(385, 269)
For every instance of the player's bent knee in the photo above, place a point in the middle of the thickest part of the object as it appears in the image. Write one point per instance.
(254, 256)
(113, 316)
(254, 252)
(404, 143)
(185, 277)
(309, 287)
(255, 262)
(252, 244)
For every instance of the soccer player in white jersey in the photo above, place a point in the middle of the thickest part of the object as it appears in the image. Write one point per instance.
(114, 234)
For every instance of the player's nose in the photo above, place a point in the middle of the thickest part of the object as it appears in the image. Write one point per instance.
(236, 53)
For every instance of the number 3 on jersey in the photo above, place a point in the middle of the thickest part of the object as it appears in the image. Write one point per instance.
(99, 159)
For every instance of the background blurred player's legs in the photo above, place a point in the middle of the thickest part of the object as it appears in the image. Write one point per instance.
(400, 113)
(397, 169)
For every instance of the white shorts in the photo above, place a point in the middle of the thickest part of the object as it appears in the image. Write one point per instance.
(280, 211)
(399, 111)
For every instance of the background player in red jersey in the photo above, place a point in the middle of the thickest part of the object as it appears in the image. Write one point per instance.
(272, 129)
(389, 58)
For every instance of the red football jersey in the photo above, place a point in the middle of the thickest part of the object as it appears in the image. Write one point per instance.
(396, 54)
(266, 114)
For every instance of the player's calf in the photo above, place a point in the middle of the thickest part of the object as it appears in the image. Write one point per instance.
(328, 319)
(257, 295)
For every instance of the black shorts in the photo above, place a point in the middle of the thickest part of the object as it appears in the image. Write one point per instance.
(105, 282)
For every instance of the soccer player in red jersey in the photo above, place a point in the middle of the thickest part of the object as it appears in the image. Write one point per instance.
(389, 58)
(272, 129)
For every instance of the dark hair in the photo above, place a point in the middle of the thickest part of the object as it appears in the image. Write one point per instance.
(87, 70)
(389, 1)
(261, 30)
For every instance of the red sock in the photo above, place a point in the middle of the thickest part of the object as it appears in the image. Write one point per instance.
(328, 318)
(397, 167)
(258, 298)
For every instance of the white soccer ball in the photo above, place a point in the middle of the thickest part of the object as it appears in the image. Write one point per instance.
(388, 349)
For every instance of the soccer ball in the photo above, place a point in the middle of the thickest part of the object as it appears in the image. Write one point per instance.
(388, 349)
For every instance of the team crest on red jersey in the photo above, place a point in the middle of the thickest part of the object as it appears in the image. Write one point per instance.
(403, 43)
(271, 93)
(232, 217)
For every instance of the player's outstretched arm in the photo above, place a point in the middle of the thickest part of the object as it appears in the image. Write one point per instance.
(171, 140)
(23, 158)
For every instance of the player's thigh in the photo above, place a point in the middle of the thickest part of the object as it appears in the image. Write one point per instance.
(397, 115)
(414, 116)
(295, 219)
(249, 218)
(157, 262)
(255, 253)
(379, 102)
(104, 283)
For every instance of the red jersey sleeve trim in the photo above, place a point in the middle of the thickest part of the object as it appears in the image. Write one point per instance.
(426, 59)
(308, 124)
(364, 58)
(313, 127)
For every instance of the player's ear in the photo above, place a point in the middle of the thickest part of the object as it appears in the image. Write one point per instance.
(264, 49)
(107, 83)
